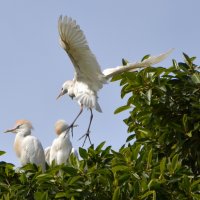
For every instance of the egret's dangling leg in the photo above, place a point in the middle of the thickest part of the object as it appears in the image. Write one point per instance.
(87, 134)
(71, 126)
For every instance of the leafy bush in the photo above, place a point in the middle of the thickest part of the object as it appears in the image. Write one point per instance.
(166, 112)
(161, 159)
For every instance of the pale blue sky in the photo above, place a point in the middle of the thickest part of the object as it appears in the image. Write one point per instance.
(33, 66)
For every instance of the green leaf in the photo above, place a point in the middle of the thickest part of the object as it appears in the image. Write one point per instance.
(148, 95)
(124, 61)
(60, 195)
(175, 64)
(22, 178)
(120, 168)
(149, 159)
(44, 177)
(185, 122)
(174, 162)
(130, 137)
(185, 184)
(153, 184)
(74, 179)
(163, 88)
(30, 167)
(145, 57)
(143, 132)
(2, 152)
(162, 165)
(116, 77)
(99, 147)
(151, 192)
(196, 78)
(41, 196)
(106, 151)
(187, 59)
(92, 152)
(70, 170)
(122, 108)
(136, 151)
(123, 178)
(196, 196)
(189, 134)
(83, 153)
(116, 194)
(136, 176)
(6, 196)
(195, 183)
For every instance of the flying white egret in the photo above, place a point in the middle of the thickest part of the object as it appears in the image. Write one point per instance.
(61, 147)
(89, 78)
(27, 147)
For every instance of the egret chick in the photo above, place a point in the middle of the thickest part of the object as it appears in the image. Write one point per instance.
(61, 147)
(89, 78)
(27, 147)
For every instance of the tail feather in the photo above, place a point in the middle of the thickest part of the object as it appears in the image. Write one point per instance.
(152, 60)
(98, 108)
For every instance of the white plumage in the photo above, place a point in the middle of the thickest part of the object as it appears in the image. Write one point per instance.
(47, 154)
(61, 147)
(89, 78)
(27, 147)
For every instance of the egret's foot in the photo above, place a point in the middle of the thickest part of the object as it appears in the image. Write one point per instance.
(72, 128)
(86, 135)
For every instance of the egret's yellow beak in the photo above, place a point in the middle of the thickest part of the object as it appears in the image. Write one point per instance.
(60, 95)
(10, 130)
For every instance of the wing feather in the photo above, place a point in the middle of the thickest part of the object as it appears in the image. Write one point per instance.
(32, 152)
(73, 41)
(152, 60)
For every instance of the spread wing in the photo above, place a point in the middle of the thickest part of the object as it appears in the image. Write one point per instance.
(32, 152)
(73, 41)
(152, 60)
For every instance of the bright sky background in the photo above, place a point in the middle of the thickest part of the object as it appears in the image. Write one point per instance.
(33, 66)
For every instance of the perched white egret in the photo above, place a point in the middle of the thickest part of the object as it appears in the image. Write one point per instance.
(61, 147)
(47, 154)
(88, 77)
(27, 147)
